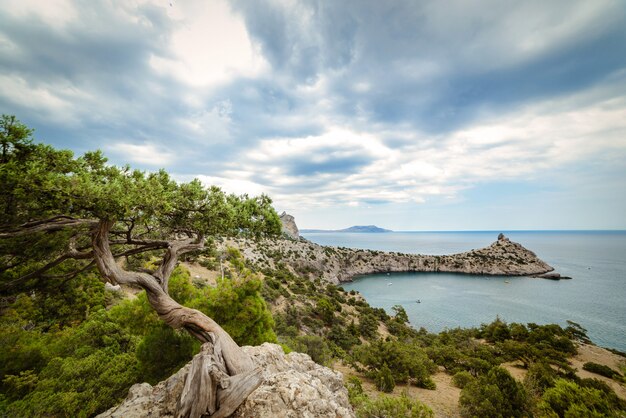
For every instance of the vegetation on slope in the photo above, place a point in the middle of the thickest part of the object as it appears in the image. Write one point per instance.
(68, 347)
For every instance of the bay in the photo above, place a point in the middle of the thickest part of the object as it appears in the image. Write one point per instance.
(595, 297)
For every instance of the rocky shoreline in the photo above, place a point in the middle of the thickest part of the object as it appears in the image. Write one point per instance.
(337, 264)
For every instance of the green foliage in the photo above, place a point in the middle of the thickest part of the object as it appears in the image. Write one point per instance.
(384, 379)
(496, 331)
(326, 310)
(40, 182)
(496, 394)
(163, 351)
(368, 326)
(407, 362)
(540, 377)
(78, 386)
(62, 366)
(236, 304)
(462, 378)
(602, 370)
(577, 332)
(391, 407)
(355, 388)
(75, 371)
(400, 314)
(314, 346)
(457, 350)
(568, 399)
(344, 337)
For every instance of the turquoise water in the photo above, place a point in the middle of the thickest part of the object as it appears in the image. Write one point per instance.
(595, 298)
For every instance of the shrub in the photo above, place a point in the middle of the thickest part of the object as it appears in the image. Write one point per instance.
(495, 395)
(568, 399)
(355, 389)
(601, 369)
(540, 377)
(388, 406)
(314, 346)
(368, 326)
(406, 361)
(163, 351)
(384, 379)
(462, 378)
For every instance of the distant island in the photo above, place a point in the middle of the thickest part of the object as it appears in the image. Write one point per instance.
(356, 228)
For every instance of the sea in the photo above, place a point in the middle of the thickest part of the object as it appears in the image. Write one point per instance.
(595, 297)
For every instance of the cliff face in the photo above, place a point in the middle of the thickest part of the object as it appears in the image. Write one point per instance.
(289, 226)
(503, 257)
(294, 386)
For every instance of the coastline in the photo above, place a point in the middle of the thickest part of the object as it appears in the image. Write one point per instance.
(339, 264)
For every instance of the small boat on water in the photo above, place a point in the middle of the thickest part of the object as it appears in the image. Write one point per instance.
(389, 284)
(418, 301)
(507, 282)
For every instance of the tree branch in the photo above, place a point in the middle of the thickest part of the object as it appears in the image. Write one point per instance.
(170, 311)
(56, 223)
(170, 258)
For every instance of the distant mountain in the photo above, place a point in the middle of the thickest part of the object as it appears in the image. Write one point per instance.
(356, 228)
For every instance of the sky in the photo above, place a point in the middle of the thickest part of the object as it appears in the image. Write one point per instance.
(410, 115)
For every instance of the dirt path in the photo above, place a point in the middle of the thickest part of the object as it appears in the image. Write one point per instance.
(599, 355)
(444, 401)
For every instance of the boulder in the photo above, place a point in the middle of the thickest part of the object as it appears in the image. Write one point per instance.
(294, 386)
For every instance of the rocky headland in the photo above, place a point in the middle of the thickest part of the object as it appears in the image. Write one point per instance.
(337, 264)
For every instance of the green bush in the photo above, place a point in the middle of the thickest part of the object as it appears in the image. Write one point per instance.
(82, 371)
(406, 361)
(392, 407)
(540, 377)
(163, 351)
(314, 346)
(568, 399)
(462, 378)
(496, 395)
(602, 370)
(384, 380)
(368, 326)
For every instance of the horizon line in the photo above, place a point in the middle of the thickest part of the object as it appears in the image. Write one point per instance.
(467, 230)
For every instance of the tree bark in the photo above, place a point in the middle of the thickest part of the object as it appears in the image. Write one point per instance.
(221, 352)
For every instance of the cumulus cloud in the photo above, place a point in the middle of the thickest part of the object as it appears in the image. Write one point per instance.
(366, 106)
(147, 154)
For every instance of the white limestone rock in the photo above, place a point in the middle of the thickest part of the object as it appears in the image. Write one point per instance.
(294, 386)
(289, 226)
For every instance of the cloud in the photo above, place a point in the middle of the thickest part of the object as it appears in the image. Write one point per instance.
(147, 154)
(519, 146)
(359, 105)
(210, 46)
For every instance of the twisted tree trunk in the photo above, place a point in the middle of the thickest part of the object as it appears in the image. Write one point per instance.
(222, 375)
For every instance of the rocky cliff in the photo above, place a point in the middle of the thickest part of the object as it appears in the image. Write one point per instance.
(337, 264)
(289, 226)
(294, 387)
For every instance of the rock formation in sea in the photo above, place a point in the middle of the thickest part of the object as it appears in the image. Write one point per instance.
(337, 264)
(289, 226)
(293, 386)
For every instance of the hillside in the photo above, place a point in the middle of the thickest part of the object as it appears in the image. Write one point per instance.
(341, 330)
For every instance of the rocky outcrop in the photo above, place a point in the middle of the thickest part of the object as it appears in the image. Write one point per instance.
(294, 386)
(337, 264)
(289, 226)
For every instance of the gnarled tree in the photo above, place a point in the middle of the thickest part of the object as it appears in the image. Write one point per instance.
(65, 215)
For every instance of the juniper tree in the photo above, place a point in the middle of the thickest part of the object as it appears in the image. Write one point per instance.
(64, 215)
